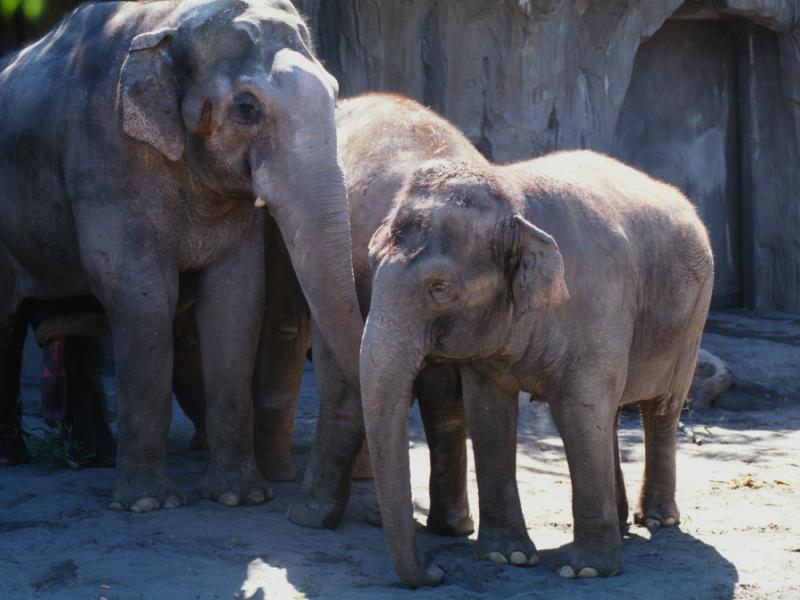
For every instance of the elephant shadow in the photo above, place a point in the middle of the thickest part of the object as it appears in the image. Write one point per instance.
(669, 564)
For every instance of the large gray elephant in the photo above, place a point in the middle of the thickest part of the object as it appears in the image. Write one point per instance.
(136, 140)
(572, 277)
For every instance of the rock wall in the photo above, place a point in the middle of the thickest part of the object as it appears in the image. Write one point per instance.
(523, 77)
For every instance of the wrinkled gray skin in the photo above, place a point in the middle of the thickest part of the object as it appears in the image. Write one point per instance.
(382, 139)
(137, 140)
(594, 298)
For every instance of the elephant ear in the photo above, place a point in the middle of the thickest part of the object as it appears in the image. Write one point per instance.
(148, 90)
(539, 277)
(378, 242)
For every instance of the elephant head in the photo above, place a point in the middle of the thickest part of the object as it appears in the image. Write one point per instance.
(455, 269)
(232, 88)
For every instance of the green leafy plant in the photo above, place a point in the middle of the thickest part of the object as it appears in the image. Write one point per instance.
(56, 446)
(31, 9)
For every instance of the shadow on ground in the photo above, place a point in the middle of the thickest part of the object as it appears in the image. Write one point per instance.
(738, 494)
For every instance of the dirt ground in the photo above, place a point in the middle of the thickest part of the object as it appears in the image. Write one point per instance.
(739, 493)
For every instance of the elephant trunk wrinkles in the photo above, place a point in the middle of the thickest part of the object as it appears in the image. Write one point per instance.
(312, 214)
(388, 370)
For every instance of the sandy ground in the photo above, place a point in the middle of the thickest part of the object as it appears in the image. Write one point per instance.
(739, 493)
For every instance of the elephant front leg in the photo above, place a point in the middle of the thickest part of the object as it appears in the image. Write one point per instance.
(142, 338)
(585, 421)
(325, 492)
(229, 308)
(442, 408)
(492, 417)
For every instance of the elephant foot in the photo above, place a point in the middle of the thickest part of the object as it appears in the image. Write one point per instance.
(450, 523)
(144, 492)
(505, 547)
(309, 511)
(585, 560)
(199, 440)
(235, 483)
(278, 469)
(655, 515)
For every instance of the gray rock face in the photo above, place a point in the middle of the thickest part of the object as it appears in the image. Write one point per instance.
(762, 352)
(703, 94)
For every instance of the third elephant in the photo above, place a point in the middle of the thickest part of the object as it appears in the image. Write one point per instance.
(381, 141)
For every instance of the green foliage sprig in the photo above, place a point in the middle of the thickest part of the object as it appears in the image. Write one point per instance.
(56, 446)
(31, 9)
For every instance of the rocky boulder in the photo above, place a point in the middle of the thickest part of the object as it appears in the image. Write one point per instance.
(712, 378)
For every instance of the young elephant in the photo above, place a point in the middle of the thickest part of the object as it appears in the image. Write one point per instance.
(136, 139)
(572, 277)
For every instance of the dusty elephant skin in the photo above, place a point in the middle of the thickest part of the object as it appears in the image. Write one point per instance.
(382, 139)
(572, 277)
(138, 137)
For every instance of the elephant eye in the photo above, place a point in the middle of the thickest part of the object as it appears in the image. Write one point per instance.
(245, 110)
(439, 290)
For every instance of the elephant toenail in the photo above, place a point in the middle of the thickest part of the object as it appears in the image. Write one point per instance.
(614, 573)
(518, 558)
(172, 501)
(567, 572)
(586, 572)
(670, 521)
(533, 560)
(145, 505)
(116, 505)
(229, 499)
(435, 574)
(497, 557)
(652, 523)
(257, 497)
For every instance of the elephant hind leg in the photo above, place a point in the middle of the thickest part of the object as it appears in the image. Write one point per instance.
(13, 327)
(363, 467)
(187, 376)
(442, 407)
(622, 497)
(86, 402)
(280, 359)
(284, 343)
(657, 506)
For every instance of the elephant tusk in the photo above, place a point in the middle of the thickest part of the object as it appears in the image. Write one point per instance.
(260, 203)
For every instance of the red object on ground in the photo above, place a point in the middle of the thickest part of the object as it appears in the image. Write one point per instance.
(54, 382)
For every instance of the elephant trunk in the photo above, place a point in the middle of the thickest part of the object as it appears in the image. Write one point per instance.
(303, 185)
(390, 360)
(316, 231)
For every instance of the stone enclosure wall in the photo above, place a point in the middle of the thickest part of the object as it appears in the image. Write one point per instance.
(703, 94)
